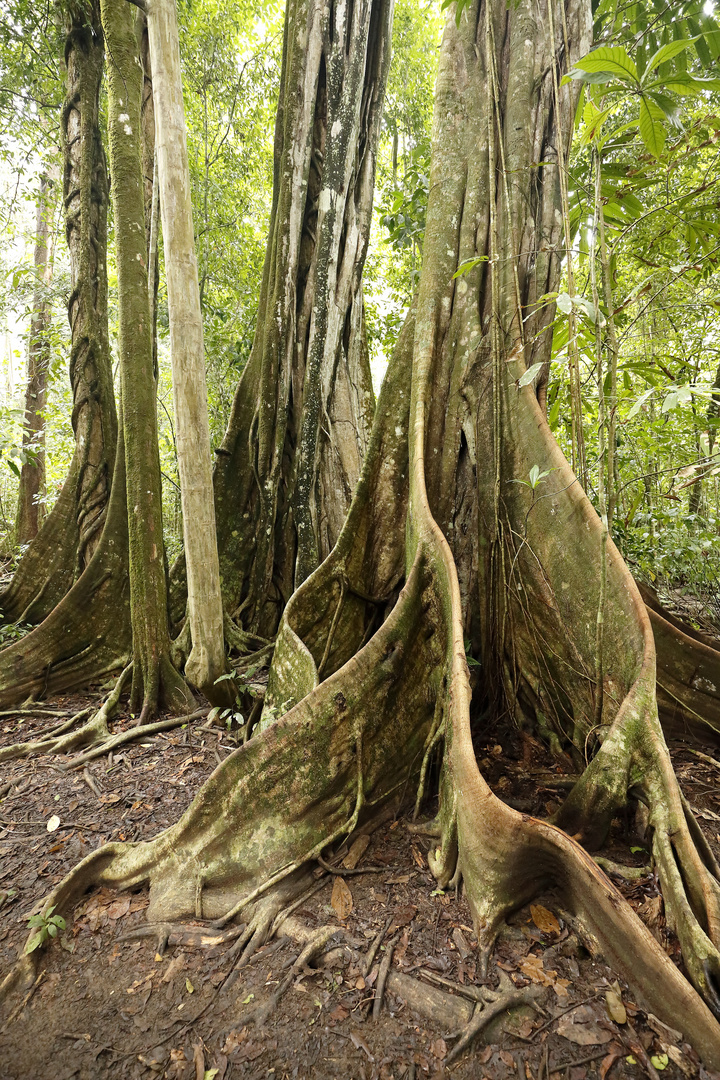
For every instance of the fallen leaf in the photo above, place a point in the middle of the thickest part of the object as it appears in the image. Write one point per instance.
(356, 852)
(438, 1048)
(461, 943)
(507, 1059)
(615, 1007)
(402, 916)
(360, 983)
(189, 987)
(341, 899)
(609, 1060)
(233, 1040)
(360, 1044)
(53, 823)
(660, 1061)
(210, 1074)
(248, 999)
(418, 857)
(339, 1013)
(118, 908)
(544, 919)
(583, 1027)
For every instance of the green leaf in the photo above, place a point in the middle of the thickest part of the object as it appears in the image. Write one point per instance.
(469, 264)
(528, 376)
(611, 58)
(13, 467)
(652, 131)
(660, 1061)
(35, 942)
(640, 402)
(667, 52)
(564, 303)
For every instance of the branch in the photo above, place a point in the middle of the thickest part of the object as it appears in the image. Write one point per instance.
(139, 3)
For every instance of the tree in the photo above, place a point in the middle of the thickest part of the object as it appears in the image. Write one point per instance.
(206, 662)
(299, 425)
(71, 532)
(467, 526)
(32, 477)
(155, 678)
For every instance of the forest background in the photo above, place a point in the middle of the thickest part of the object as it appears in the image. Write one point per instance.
(660, 204)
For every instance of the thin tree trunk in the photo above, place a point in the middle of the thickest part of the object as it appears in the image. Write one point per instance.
(32, 476)
(206, 662)
(155, 679)
(71, 532)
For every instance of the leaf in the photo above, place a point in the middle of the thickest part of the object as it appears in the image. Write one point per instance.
(544, 919)
(35, 942)
(613, 59)
(564, 303)
(469, 264)
(652, 131)
(341, 899)
(640, 402)
(660, 1061)
(529, 375)
(583, 1027)
(248, 999)
(210, 1074)
(667, 52)
(356, 852)
(189, 987)
(53, 823)
(615, 1007)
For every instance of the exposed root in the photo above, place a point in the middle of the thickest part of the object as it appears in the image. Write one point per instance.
(313, 948)
(132, 735)
(507, 996)
(21, 750)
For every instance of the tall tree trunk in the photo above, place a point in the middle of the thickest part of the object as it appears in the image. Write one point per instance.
(32, 476)
(71, 532)
(155, 679)
(301, 416)
(206, 662)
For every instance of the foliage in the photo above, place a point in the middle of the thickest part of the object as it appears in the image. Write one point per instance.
(48, 926)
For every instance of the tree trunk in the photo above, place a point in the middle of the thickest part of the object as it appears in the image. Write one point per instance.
(30, 511)
(71, 532)
(448, 539)
(154, 676)
(299, 426)
(206, 662)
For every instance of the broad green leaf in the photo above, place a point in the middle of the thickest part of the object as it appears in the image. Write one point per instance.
(667, 52)
(564, 303)
(652, 131)
(34, 942)
(640, 402)
(529, 375)
(468, 265)
(611, 58)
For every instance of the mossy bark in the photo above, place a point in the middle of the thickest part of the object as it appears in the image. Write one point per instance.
(155, 679)
(71, 532)
(300, 421)
(206, 662)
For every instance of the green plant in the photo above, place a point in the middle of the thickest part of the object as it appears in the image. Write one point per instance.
(47, 925)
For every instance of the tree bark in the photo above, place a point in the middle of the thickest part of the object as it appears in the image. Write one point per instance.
(154, 676)
(30, 511)
(300, 421)
(206, 662)
(71, 532)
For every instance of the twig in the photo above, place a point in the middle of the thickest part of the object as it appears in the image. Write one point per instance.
(372, 951)
(382, 977)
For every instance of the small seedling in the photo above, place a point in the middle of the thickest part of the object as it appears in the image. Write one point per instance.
(47, 925)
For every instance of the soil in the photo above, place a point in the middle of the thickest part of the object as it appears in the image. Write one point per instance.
(107, 1004)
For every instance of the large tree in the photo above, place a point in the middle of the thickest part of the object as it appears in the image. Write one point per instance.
(71, 532)
(447, 542)
(302, 412)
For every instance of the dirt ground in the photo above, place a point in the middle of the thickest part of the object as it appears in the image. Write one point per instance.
(108, 1005)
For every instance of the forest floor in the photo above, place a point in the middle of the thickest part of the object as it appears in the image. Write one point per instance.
(104, 1006)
